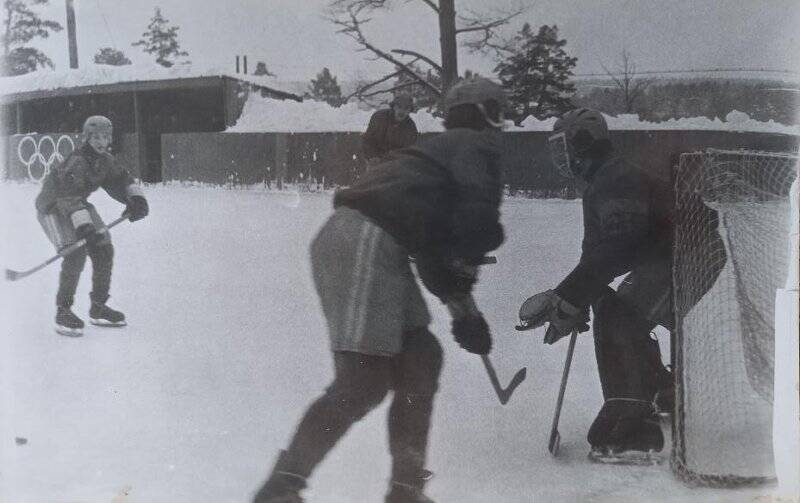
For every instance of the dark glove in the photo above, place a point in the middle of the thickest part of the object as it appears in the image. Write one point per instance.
(469, 328)
(89, 233)
(446, 278)
(137, 208)
(472, 333)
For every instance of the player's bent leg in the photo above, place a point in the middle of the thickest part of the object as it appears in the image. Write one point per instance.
(102, 257)
(361, 383)
(415, 382)
(67, 322)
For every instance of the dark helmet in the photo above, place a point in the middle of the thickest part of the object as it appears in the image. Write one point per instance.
(97, 124)
(480, 92)
(475, 91)
(574, 134)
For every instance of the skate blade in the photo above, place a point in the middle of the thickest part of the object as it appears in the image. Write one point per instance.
(631, 458)
(106, 323)
(69, 332)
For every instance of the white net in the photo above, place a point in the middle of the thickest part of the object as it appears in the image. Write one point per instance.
(730, 256)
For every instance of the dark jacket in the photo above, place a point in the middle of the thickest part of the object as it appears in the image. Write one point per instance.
(626, 221)
(440, 197)
(67, 186)
(385, 134)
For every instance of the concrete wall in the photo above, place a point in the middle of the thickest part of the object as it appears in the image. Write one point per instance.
(31, 156)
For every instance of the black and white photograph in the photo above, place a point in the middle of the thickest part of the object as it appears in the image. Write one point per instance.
(400, 251)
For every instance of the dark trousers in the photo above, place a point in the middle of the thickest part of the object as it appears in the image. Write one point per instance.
(360, 384)
(102, 257)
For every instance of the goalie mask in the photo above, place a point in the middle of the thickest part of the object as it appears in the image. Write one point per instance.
(574, 135)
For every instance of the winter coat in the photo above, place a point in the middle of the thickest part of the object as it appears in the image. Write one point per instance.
(439, 197)
(627, 222)
(67, 186)
(385, 134)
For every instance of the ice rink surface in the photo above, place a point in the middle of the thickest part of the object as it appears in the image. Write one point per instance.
(226, 346)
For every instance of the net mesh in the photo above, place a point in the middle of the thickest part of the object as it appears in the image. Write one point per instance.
(730, 255)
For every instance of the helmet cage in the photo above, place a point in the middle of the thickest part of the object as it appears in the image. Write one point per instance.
(560, 154)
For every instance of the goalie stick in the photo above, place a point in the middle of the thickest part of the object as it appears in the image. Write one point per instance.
(555, 437)
(12, 275)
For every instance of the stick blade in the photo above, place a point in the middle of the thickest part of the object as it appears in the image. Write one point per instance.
(554, 443)
(12, 275)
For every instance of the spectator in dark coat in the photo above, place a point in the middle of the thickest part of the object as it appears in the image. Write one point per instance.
(389, 129)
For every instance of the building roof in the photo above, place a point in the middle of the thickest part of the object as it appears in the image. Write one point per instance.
(112, 79)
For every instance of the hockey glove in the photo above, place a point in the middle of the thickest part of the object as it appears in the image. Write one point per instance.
(137, 208)
(548, 307)
(446, 278)
(89, 233)
(469, 328)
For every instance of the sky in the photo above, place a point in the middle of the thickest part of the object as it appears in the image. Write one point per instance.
(296, 41)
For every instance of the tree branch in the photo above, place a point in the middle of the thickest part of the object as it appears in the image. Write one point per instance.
(395, 88)
(352, 28)
(486, 25)
(359, 91)
(419, 56)
(432, 5)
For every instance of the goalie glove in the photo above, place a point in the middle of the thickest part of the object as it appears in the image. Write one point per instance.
(548, 307)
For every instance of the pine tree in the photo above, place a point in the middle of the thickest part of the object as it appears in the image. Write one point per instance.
(325, 88)
(537, 74)
(261, 69)
(21, 26)
(161, 39)
(110, 56)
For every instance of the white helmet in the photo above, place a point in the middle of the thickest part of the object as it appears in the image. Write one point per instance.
(574, 134)
(97, 124)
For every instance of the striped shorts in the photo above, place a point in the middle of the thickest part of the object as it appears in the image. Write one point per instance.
(367, 290)
(59, 228)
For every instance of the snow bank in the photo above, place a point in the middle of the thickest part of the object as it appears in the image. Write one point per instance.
(268, 115)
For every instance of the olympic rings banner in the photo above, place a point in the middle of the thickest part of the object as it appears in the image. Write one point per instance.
(32, 156)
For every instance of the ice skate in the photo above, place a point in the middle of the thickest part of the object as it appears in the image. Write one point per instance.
(104, 316)
(282, 486)
(68, 323)
(411, 490)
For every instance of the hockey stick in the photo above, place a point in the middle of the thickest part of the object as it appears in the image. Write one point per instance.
(12, 275)
(503, 394)
(555, 437)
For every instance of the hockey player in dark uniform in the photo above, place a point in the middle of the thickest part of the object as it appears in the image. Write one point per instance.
(66, 216)
(438, 201)
(627, 229)
(389, 129)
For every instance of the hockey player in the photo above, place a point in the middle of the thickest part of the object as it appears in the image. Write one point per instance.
(438, 201)
(389, 130)
(627, 229)
(66, 216)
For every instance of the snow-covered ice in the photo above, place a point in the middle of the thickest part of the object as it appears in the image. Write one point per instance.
(226, 346)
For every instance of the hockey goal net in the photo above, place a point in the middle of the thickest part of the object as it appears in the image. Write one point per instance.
(731, 254)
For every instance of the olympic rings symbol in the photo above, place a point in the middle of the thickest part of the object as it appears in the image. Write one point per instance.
(44, 152)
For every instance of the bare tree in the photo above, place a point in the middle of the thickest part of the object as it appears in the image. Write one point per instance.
(351, 15)
(627, 81)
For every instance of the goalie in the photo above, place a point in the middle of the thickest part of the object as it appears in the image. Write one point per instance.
(627, 229)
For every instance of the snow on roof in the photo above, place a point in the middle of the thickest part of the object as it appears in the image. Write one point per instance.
(262, 114)
(268, 115)
(94, 75)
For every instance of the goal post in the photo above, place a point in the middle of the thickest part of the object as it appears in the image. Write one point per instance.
(732, 254)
